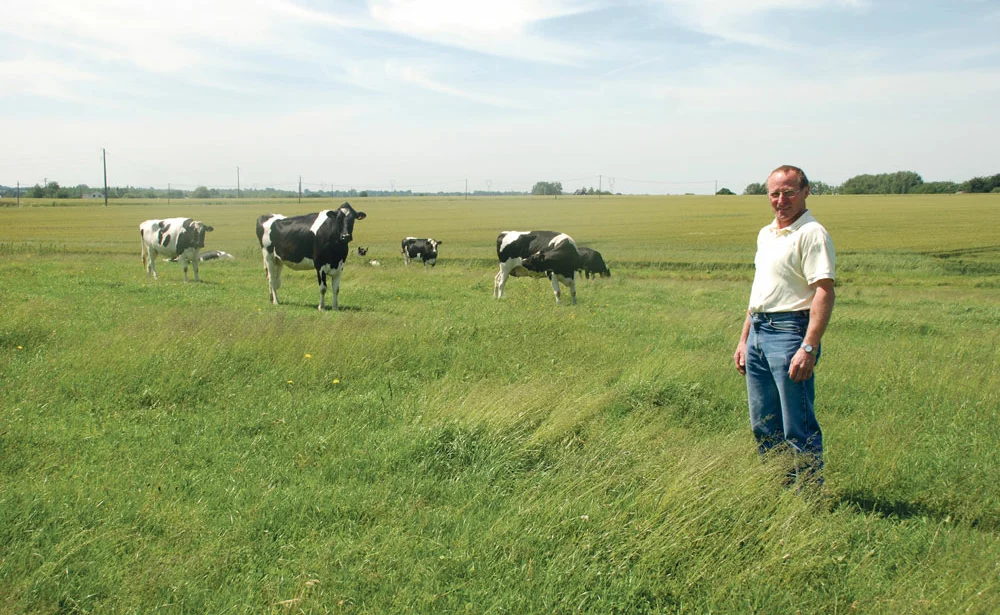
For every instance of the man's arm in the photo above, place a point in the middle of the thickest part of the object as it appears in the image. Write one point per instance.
(740, 356)
(803, 363)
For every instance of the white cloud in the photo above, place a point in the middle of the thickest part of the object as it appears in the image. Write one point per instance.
(407, 73)
(736, 20)
(42, 78)
(495, 27)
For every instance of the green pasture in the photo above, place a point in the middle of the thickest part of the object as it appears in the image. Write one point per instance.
(191, 448)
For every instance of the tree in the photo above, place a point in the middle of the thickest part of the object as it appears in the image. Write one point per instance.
(547, 188)
(201, 192)
(900, 182)
(725, 191)
(984, 184)
(818, 187)
(756, 189)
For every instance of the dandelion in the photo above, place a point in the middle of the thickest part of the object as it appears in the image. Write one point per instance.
(291, 382)
(20, 347)
(336, 380)
(308, 356)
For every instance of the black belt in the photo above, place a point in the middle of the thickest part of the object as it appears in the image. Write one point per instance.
(770, 314)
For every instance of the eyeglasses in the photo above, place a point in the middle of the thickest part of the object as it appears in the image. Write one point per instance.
(788, 194)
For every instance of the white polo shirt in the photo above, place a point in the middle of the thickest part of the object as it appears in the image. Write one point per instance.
(789, 260)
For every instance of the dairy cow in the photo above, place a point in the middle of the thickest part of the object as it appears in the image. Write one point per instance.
(313, 241)
(180, 238)
(537, 254)
(592, 263)
(424, 249)
(211, 255)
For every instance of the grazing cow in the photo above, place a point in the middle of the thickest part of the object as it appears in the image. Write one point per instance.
(537, 254)
(313, 241)
(424, 249)
(174, 237)
(592, 264)
(362, 250)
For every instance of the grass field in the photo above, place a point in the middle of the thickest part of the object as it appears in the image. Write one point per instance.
(191, 448)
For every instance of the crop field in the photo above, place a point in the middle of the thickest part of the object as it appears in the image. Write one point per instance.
(191, 448)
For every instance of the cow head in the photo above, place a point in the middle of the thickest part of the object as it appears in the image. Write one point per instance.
(344, 218)
(537, 261)
(197, 230)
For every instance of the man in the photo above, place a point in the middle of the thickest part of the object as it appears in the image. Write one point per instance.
(790, 305)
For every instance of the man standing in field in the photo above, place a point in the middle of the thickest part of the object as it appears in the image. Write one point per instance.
(790, 305)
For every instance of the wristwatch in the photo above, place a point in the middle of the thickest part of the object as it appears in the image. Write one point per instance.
(809, 348)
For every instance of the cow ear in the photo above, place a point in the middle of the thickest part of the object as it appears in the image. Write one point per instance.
(332, 213)
(209, 228)
(361, 216)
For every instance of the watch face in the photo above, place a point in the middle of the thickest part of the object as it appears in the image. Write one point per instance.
(807, 347)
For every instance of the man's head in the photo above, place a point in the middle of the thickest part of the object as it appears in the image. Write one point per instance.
(787, 188)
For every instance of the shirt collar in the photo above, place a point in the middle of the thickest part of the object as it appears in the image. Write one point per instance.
(794, 226)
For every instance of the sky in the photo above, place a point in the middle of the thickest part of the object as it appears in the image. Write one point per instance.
(633, 96)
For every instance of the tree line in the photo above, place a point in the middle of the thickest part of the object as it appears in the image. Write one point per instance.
(52, 190)
(900, 182)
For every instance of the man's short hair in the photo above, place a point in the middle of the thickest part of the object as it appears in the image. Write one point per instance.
(787, 168)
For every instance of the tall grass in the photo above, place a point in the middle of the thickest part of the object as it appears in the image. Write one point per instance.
(429, 449)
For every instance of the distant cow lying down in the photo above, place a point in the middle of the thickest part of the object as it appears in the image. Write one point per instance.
(537, 254)
(592, 263)
(180, 238)
(211, 255)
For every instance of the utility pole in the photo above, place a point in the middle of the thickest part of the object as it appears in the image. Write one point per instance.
(237, 182)
(300, 188)
(104, 159)
(716, 193)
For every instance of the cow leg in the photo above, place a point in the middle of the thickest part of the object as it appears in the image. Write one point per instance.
(499, 281)
(572, 287)
(184, 264)
(147, 259)
(151, 269)
(273, 270)
(194, 265)
(555, 285)
(335, 286)
(321, 280)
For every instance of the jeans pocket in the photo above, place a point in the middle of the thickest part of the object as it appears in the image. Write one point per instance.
(787, 326)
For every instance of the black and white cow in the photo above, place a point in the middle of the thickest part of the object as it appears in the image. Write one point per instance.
(211, 255)
(424, 249)
(313, 241)
(174, 237)
(537, 254)
(592, 263)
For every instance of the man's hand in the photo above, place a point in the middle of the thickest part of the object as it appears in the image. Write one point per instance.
(802, 365)
(740, 358)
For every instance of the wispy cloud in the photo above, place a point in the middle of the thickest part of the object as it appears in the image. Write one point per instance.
(737, 21)
(406, 73)
(42, 78)
(496, 27)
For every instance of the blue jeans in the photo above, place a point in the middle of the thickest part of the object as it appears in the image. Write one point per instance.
(781, 411)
